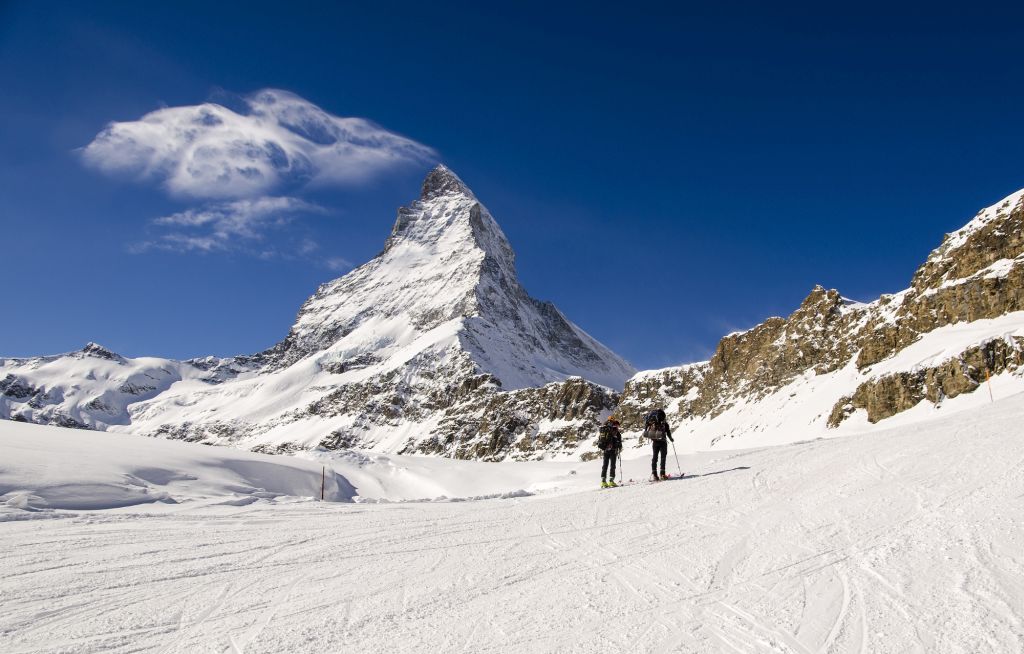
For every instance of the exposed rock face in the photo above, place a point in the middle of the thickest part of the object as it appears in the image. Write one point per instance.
(814, 337)
(432, 347)
(995, 234)
(818, 337)
(660, 388)
(976, 274)
(530, 423)
(884, 397)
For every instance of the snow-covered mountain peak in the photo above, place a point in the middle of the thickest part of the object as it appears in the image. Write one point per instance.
(446, 268)
(431, 346)
(443, 181)
(96, 350)
(448, 216)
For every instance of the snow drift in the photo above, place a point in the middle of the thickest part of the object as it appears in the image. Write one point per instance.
(45, 467)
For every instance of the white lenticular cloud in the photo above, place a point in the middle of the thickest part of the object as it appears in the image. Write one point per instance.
(210, 151)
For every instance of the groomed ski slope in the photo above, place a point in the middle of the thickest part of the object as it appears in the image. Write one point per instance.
(901, 541)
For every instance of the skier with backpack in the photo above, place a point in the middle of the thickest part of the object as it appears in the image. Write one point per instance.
(609, 441)
(656, 428)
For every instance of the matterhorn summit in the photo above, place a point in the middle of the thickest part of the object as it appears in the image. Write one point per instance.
(446, 276)
(433, 346)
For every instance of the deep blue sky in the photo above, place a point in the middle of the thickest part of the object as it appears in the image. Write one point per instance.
(716, 162)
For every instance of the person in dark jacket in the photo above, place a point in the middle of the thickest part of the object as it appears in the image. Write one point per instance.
(610, 442)
(656, 428)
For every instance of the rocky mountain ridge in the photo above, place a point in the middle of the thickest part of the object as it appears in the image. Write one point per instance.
(433, 347)
(831, 360)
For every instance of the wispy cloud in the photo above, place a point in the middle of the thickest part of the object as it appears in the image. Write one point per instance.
(279, 140)
(239, 225)
(245, 218)
(337, 264)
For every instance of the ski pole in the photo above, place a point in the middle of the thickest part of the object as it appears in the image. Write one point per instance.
(620, 467)
(678, 467)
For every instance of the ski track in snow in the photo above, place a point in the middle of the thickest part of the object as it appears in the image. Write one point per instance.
(902, 541)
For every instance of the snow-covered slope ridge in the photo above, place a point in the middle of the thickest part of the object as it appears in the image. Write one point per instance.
(835, 366)
(417, 350)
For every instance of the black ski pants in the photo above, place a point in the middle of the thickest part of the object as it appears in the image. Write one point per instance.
(659, 447)
(609, 455)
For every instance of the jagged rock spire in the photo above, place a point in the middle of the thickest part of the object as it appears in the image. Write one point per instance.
(442, 181)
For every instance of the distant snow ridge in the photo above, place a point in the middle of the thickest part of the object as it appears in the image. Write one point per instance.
(93, 387)
(433, 347)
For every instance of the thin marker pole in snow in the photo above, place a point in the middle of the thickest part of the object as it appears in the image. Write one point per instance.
(988, 380)
(323, 478)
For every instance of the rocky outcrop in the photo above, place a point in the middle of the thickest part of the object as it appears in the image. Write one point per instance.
(817, 336)
(995, 234)
(885, 396)
(11, 386)
(526, 424)
(977, 273)
(820, 336)
(660, 389)
(988, 293)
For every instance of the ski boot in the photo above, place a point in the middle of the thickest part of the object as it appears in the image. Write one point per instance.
(664, 476)
(604, 484)
(654, 477)
(612, 484)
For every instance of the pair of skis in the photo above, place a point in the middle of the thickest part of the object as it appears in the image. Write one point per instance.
(651, 480)
(654, 479)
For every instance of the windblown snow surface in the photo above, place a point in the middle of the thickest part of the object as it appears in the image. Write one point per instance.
(904, 540)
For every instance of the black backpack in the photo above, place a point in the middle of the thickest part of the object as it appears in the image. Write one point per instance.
(654, 425)
(604, 437)
(655, 417)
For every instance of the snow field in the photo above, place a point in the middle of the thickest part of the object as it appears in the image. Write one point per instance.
(906, 540)
(43, 469)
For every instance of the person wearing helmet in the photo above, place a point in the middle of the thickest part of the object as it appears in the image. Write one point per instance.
(656, 428)
(609, 440)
